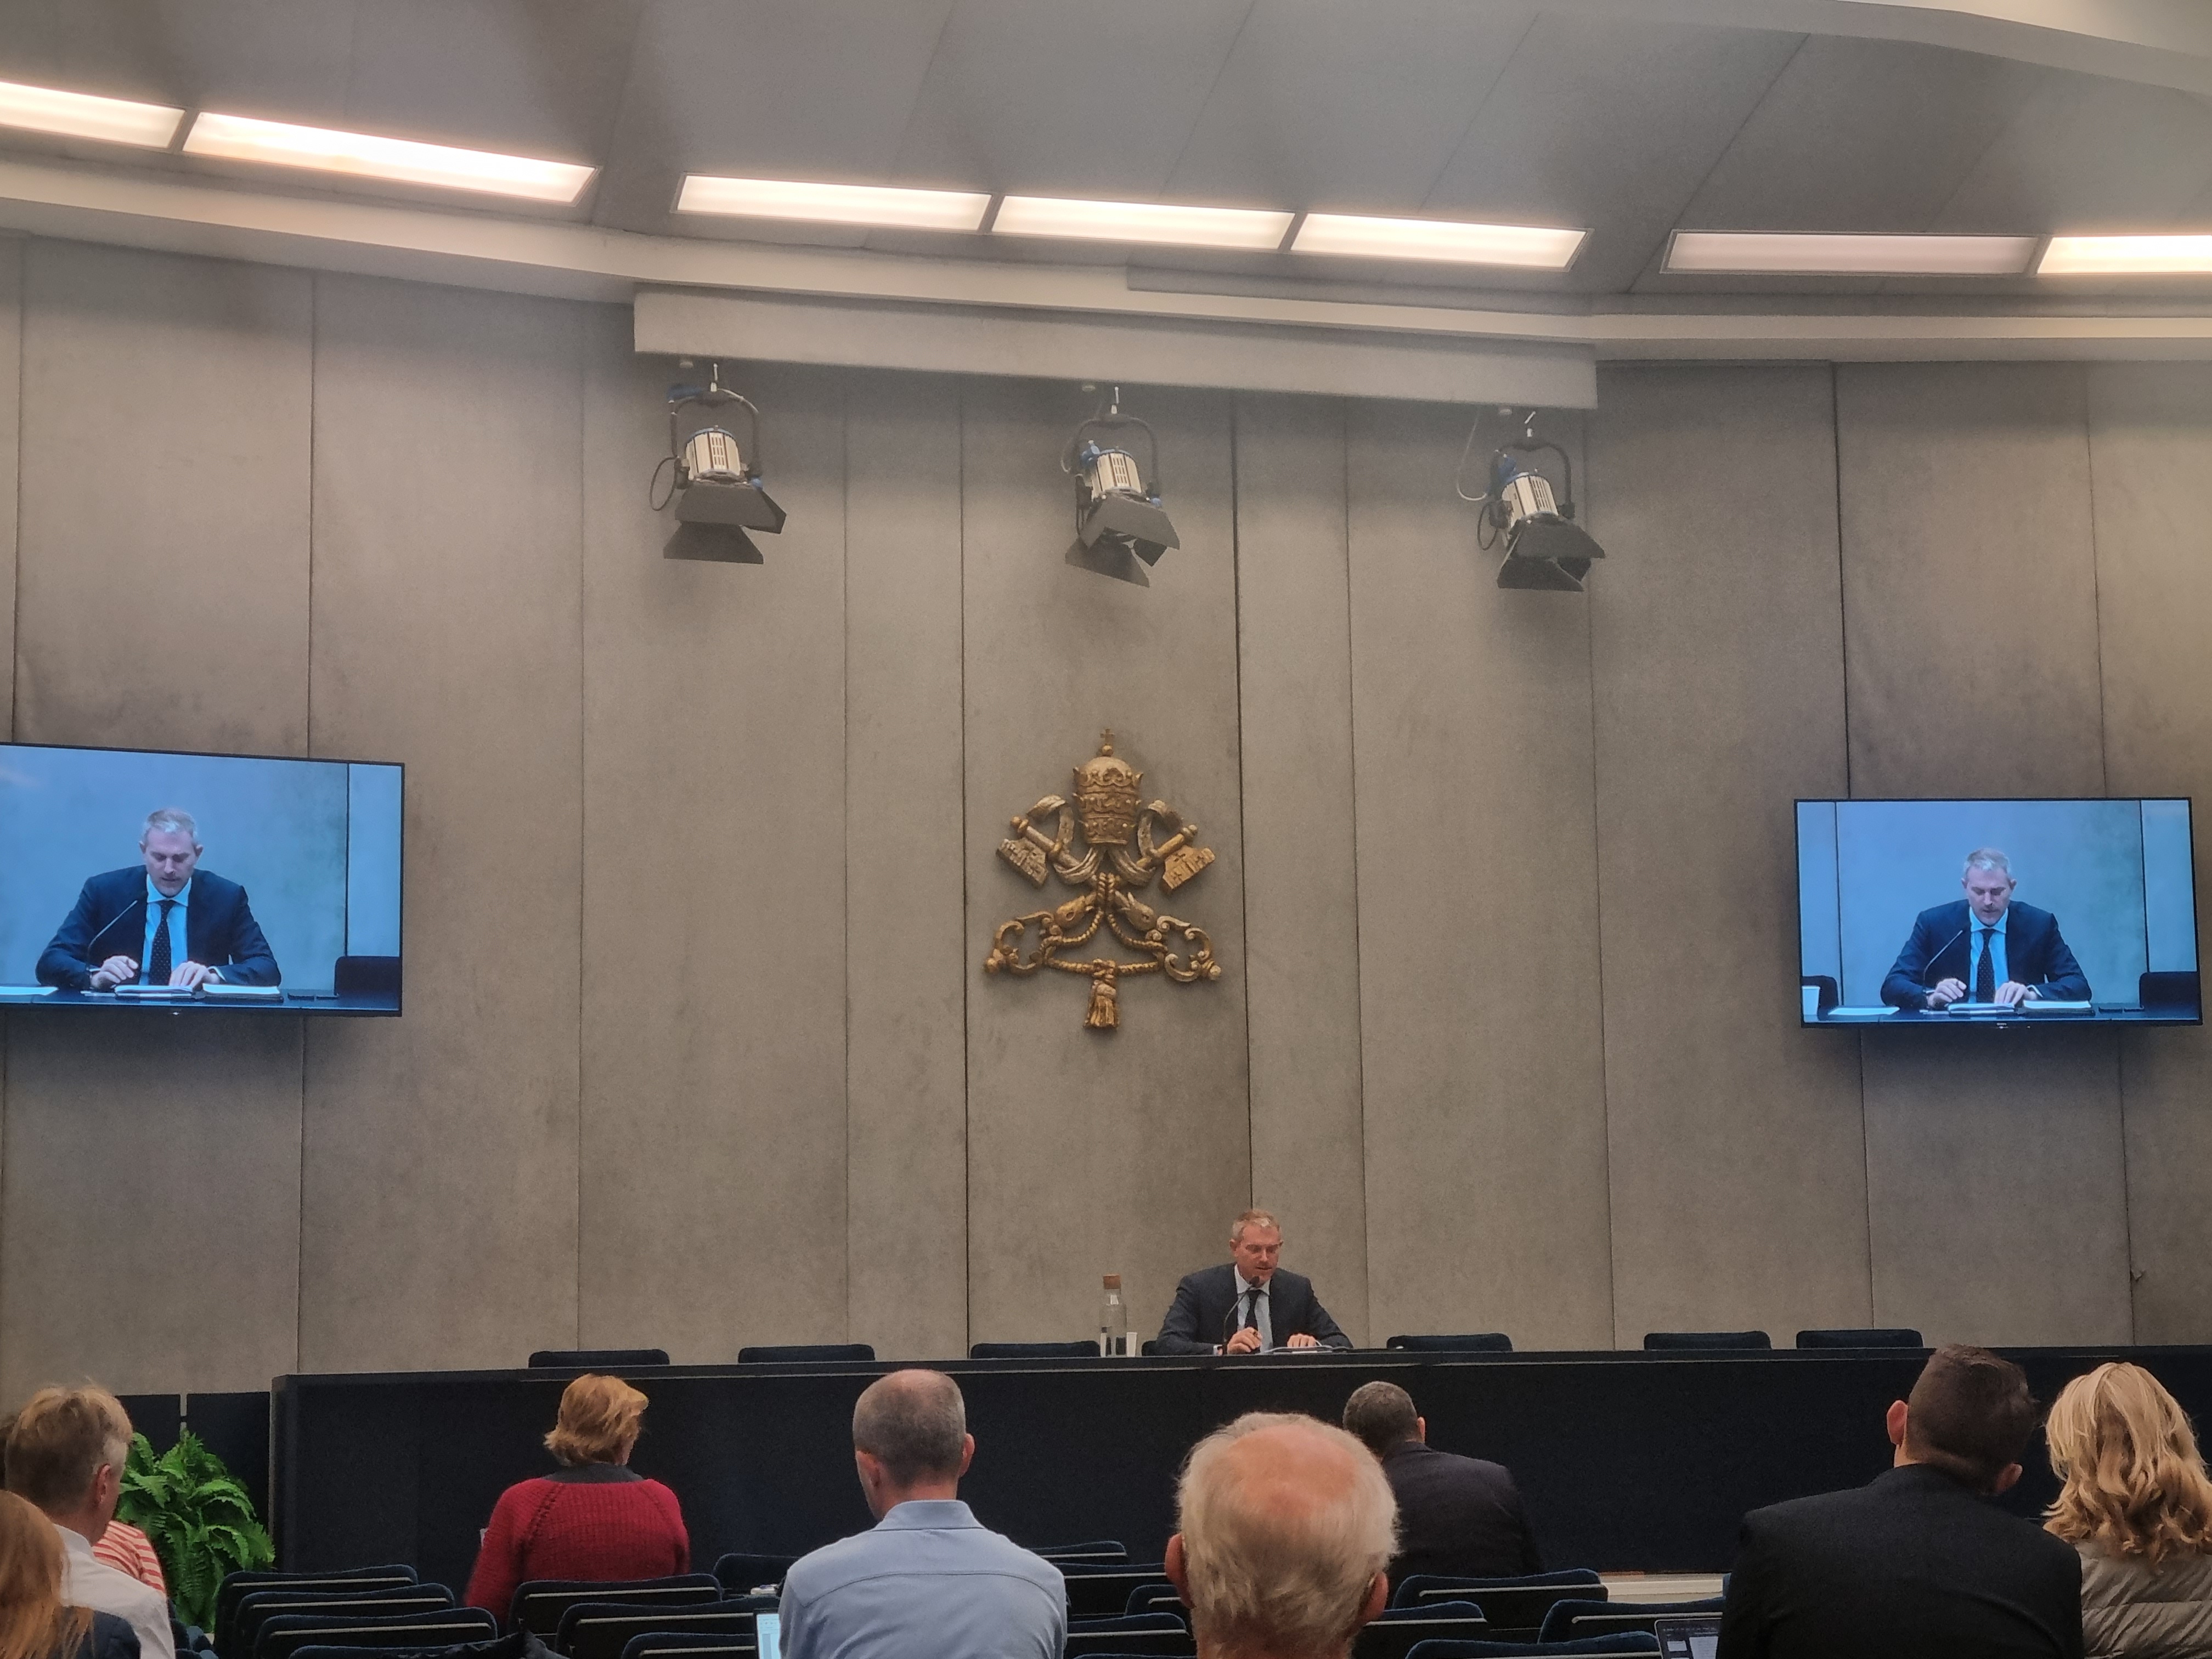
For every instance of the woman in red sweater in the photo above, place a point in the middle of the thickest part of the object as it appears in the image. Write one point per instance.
(594, 1518)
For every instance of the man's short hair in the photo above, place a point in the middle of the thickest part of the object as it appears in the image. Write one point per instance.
(915, 1428)
(1970, 1414)
(1988, 858)
(1381, 1416)
(170, 821)
(1282, 1536)
(1252, 1218)
(57, 1442)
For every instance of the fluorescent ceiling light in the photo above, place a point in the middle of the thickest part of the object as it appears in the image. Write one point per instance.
(2126, 256)
(1774, 253)
(1142, 221)
(833, 205)
(79, 115)
(1438, 238)
(239, 138)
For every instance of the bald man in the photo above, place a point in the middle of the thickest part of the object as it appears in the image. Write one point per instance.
(1285, 1528)
(929, 1578)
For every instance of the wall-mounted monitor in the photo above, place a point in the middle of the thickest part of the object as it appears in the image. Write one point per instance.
(137, 878)
(1997, 913)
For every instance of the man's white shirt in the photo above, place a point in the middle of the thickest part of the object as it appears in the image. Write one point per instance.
(89, 1582)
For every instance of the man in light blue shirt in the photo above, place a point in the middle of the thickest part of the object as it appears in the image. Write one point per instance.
(929, 1578)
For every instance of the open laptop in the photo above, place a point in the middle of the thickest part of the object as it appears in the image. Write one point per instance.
(1697, 1637)
(768, 1631)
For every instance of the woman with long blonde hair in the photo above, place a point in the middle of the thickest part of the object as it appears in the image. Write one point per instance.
(34, 1623)
(2137, 1504)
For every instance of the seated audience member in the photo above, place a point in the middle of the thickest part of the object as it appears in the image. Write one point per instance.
(126, 1549)
(1917, 1564)
(1455, 1515)
(2138, 1507)
(66, 1450)
(593, 1518)
(1285, 1527)
(34, 1622)
(928, 1579)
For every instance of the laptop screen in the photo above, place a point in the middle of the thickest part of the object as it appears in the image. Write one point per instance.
(1687, 1639)
(768, 1634)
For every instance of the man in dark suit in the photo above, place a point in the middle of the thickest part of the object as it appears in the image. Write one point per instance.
(1918, 1563)
(161, 921)
(1984, 948)
(1455, 1515)
(1249, 1306)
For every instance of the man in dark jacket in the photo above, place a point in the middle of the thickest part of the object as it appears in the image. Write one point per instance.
(1918, 1562)
(1455, 1515)
(163, 921)
(1249, 1306)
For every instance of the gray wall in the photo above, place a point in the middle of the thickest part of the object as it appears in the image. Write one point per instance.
(698, 1049)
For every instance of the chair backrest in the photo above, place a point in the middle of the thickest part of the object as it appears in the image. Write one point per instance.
(790, 1353)
(1103, 1592)
(1396, 1633)
(601, 1631)
(1571, 1619)
(237, 1585)
(254, 1611)
(658, 1644)
(739, 1574)
(1135, 1634)
(539, 1605)
(1099, 1552)
(1516, 1606)
(1033, 1351)
(360, 976)
(596, 1359)
(284, 1634)
(1472, 1342)
(1445, 1648)
(1899, 1337)
(1154, 1596)
(2167, 989)
(1422, 1586)
(1149, 1346)
(1678, 1340)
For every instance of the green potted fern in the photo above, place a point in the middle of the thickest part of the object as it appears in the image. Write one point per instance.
(200, 1519)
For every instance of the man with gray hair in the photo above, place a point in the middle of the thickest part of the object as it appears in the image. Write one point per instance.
(1984, 949)
(187, 926)
(928, 1579)
(1285, 1528)
(1250, 1303)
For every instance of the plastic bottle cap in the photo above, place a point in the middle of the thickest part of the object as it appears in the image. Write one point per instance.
(1112, 1282)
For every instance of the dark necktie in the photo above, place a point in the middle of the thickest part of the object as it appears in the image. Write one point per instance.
(157, 958)
(1252, 1309)
(1986, 974)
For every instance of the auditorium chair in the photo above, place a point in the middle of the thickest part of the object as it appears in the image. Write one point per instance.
(1423, 1586)
(539, 1605)
(1103, 1592)
(1129, 1634)
(366, 976)
(1569, 1620)
(1474, 1342)
(1397, 1631)
(1673, 1342)
(285, 1634)
(1033, 1351)
(657, 1645)
(238, 1585)
(795, 1353)
(1099, 1552)
(2166, 988)
(255, 1610)
(1625, 1642)
(1156, 1596)
(596, 1359)
(740, 1574)
(1514, 1607)
(1899, 1338)
(596, 1630)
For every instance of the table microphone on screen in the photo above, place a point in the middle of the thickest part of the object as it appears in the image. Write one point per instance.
(137, 903)
(1947, 945)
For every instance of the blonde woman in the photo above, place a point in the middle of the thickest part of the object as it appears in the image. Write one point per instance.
(2137, 1504)
(34, 1623)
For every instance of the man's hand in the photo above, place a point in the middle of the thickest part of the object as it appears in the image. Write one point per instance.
(1946, 993)
(1302, 1340)
(2011, 993)
(190, 975)
(1245, 1341)
(113, 972)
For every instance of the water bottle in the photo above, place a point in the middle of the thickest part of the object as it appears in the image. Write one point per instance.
(1113, 1319)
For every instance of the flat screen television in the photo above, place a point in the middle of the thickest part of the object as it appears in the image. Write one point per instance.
(1997, 913)
(143, 877)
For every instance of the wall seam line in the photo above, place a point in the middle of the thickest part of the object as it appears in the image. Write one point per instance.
(300, 1238)
(1597, 918)
(967, 978)
(1244, 858)
(1358, 967)
(845, 792)
(1844, 648)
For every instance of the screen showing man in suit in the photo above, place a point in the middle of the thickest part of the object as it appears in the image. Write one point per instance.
(163, 921)
(1984, 948)
(1250, 1304)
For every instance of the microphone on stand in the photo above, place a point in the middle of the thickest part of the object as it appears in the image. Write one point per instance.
(138, 903)
(1946, 945)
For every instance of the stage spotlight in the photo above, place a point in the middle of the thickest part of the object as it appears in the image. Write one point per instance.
(1544, 549)
(717, 489)
(1112, 502)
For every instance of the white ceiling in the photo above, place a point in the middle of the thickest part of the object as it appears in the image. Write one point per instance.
(1631, 117)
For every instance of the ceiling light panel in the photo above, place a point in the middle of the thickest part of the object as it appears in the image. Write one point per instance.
(833, 205)
(79, 115)
(2126, 256)
(365, 155)
(1249, 228)
(1527, 246)
(1770, 253)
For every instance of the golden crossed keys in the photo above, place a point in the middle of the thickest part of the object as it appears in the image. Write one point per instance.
(1106, 815)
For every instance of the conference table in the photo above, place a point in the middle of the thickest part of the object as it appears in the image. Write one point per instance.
(1629, 1461)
